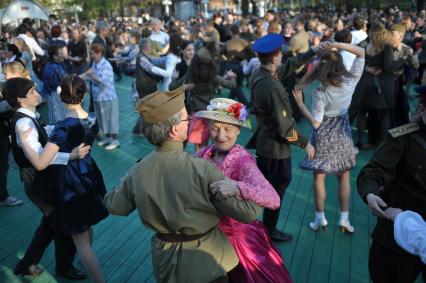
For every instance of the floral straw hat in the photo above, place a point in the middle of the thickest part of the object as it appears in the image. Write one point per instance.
(226, 111)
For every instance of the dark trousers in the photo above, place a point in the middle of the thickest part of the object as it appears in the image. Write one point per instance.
(386, 265)
(353, 113)
(378, 123)
(45, 233)
(400, 114)
(115, 69)
(4, 166)
(278, 173)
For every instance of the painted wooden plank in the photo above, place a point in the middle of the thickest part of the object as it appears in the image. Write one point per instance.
(304, 240)
(322, 253)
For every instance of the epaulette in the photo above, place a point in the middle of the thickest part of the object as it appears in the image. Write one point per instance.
(404, 130)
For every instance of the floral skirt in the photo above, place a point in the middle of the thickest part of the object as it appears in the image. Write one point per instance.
(334, 148)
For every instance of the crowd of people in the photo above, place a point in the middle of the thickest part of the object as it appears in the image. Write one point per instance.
(203, 205)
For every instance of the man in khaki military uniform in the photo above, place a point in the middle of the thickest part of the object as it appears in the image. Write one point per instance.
(170, 190)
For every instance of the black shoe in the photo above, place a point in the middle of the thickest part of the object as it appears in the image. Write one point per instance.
(364, 146)
(279, 236)
(72, 274)
(32, 270)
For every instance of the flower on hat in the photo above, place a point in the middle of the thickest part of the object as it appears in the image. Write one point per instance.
(237, 110)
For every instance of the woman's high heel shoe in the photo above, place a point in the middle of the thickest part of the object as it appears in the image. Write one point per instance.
(346, 227)
(319, 224)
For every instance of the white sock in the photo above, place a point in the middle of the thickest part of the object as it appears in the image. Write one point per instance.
(344, 216)
(319, 215)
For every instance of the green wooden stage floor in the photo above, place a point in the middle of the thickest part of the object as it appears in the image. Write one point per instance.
(122, 244)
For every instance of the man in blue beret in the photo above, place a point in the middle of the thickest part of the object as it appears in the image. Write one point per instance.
(275, 128)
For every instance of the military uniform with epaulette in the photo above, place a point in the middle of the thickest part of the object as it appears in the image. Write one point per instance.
(397, 173)
(275, 127)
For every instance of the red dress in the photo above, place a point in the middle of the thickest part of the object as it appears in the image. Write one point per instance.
(260, 260)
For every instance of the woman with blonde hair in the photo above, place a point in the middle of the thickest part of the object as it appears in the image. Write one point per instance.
(376, 88)
(15, 70)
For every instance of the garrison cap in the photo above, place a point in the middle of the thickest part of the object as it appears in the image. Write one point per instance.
(161, 105)
(268, 43)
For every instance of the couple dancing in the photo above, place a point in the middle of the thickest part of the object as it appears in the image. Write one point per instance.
(203, 209)
(67, 219)
(59, 176)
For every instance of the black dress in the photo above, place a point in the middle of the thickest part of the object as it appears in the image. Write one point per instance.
(80, 183)
(78, 49)
(378, 92)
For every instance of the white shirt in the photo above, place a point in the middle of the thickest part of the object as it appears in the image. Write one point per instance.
(410, 233)
(348, 59)
(161, 37)
(358, 36)
(249, 67)
(24, 124)
(91, 36)
(334, 101)
(171, 61)
(33, 45)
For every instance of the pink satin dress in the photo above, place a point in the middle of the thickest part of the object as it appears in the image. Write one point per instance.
(260, 260)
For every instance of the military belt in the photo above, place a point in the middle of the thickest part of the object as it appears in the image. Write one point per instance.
(176, 238)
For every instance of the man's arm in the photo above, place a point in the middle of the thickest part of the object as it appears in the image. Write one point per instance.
(120, 201)
(241, 210)
(293, 63)
(382, 167)
(35, 47)
(286, 126)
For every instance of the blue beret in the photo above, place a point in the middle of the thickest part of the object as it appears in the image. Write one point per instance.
(269, 43)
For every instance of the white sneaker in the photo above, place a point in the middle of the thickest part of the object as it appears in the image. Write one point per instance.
(104, 142)
(346, 227)
(112, 145)
(11, 201)
(318, 223)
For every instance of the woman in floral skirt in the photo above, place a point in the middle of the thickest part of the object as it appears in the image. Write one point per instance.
(332, 150)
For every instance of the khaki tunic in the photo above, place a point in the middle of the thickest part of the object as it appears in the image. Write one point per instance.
(169, 188)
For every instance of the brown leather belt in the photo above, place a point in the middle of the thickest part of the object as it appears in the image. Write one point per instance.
(176, 238)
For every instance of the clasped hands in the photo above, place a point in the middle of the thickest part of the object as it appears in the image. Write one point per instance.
(379, 208)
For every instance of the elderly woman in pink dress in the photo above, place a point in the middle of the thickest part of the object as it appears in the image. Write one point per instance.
(260, 260)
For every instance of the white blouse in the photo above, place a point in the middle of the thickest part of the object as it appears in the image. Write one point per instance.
(334, 101)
